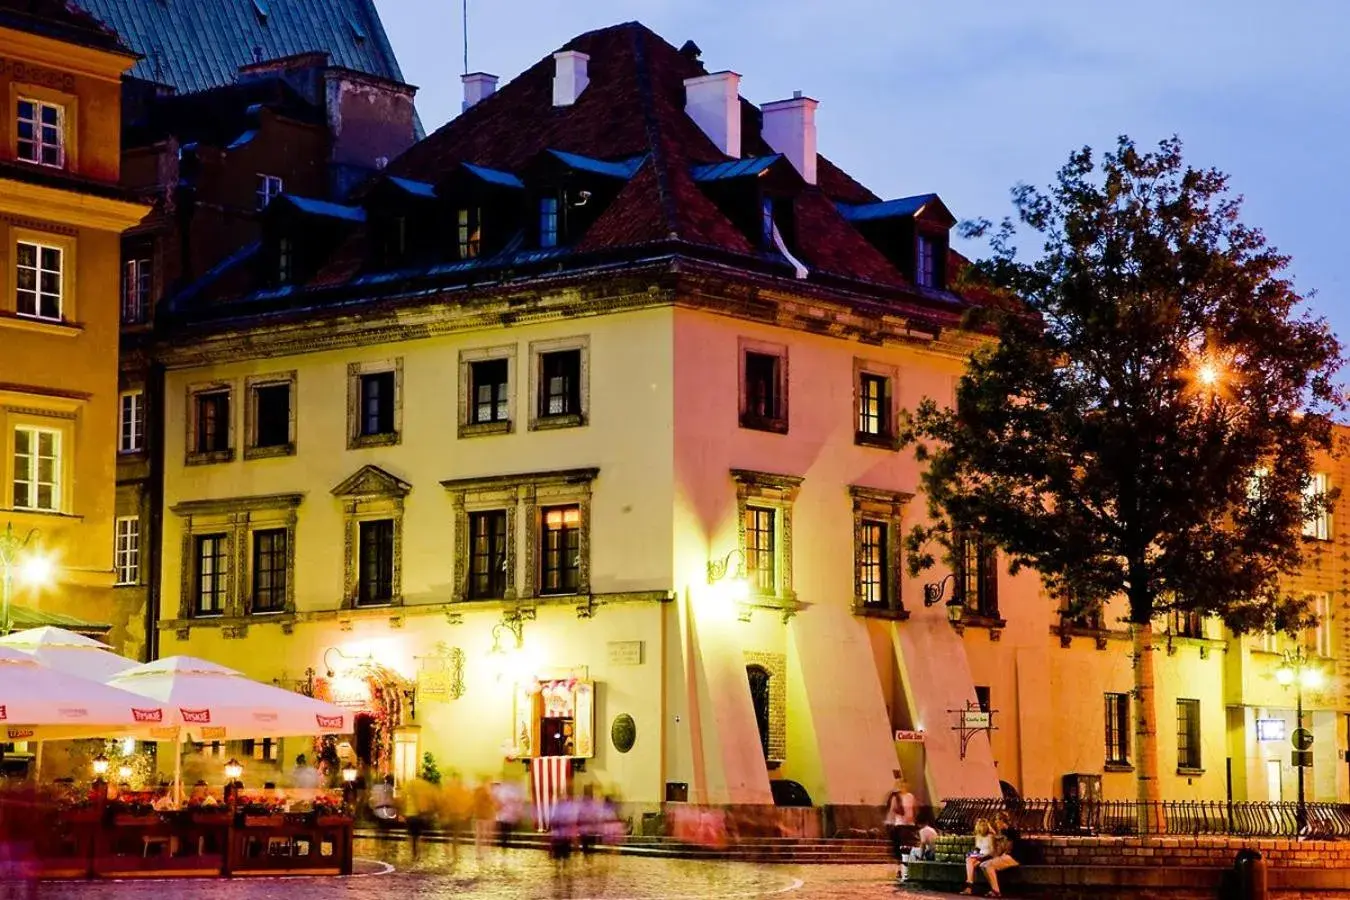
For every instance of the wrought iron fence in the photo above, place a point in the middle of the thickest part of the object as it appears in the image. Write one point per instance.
(1125, 818)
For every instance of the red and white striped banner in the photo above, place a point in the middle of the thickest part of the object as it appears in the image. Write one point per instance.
(551, 777)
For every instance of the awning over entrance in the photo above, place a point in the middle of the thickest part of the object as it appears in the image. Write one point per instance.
(22, 617)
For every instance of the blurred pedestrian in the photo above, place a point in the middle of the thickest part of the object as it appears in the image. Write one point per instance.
(590, 820)
(419, 809)
(483, 809)
(510, 802)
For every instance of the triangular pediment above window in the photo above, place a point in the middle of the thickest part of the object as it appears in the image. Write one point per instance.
(372, 481)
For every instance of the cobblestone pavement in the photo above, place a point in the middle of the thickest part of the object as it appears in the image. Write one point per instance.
(518, 875)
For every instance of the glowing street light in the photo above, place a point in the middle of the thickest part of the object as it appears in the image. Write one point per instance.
(1297, 669)
(100, 766)
(30, 565)
(233, 770)
(124, 772)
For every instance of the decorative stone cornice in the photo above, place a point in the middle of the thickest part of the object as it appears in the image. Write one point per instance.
(226, 505)
(493, 482)
(372, 481)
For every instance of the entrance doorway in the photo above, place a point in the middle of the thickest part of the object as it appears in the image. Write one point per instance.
(1274, 781)
(363, 739)
(758, 676)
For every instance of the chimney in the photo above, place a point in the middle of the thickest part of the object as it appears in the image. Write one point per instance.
(570, 78)
(790, 128)
(478, 86)
(714, 103)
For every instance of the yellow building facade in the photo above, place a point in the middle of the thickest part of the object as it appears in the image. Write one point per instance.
(61, 214)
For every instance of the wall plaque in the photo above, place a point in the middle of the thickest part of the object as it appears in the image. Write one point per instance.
(623, 733)
(625, 653)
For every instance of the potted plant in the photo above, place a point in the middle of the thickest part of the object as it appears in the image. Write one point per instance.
(259, 813)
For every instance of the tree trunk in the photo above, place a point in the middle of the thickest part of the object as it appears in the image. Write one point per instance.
(1146, 726)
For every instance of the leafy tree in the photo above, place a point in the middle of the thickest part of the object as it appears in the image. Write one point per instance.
(431, 773)
(1145, 424)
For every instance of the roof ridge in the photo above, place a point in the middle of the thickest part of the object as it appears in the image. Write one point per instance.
(652, 127)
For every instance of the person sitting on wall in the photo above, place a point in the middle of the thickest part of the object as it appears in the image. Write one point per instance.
(1007, 849)
(985, 850)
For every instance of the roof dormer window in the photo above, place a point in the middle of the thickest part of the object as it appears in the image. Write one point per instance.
(41, 133)
(925, 266)
(548, 222)
(469, 231)
(285, 260)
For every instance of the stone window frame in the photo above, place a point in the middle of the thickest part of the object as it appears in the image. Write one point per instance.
(777, 425)
(237, 518)
(891, 373)
(467, 357)
(524, 497)
(251, 385)
(69, 102)
(776, 665)
(355, 439)
(68, 244)
(778, 492)
(191, 456)
(19, 408)
(888, 508)
(580, 343)
(370, 494)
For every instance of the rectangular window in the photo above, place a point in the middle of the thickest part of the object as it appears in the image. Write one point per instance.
(469, 228)
(763, 386)
(272, 405)
(1269, 642)
(1320, 637)
(127, 550)
(269, 570)
(977, 575)
(39, 281)
(560, 555)
(766, 221)
(285, 259)
(487, 569)
(1186, 623)
(1117, 729)
(982, 697)
(213, 421)
(873, 577)
(548, 222)
(761, 563)
(131, 422)
(377, 403)
(212, 575)
(1188, 734)
(376, 562)
(560, 383)
(1318, 524)
(269, 188)
(874, 413)
(135, 291)
(37, 469)
(489, 391)
(41, 133)
(925, 266)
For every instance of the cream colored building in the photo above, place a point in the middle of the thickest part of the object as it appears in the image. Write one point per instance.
(580, 446)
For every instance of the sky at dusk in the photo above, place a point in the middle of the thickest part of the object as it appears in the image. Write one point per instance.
(968, 98)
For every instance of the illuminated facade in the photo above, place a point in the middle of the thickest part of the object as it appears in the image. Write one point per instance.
(573, 435)
(61, 214)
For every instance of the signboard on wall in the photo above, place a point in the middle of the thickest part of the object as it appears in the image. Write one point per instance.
(1268, 730)
(625, 653)
(910, 737)
(975, 718)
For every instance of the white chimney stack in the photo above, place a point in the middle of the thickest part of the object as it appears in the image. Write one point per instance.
(714, 103)
(478, 86)
(790, 128)
(570, 78)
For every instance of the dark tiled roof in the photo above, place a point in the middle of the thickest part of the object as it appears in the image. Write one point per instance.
(225, 116)
(905, 206)
(60, 20)
(198, 44)
(312, 207)
(494, 176)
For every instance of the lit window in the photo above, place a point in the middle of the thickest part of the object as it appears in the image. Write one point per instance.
(560, 556)
(269, 188)
(212, 574)
(131, 423)
(127, 550)
(470, 232)
(548, 222)
(873, 575)
(1318, 524)
(37, 469)
(977, 575)
(41, 133)
(135, 291)
(874, 418)
(39, 281)
(761, 562)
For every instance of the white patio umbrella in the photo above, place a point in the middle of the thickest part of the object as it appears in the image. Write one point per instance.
(40, 703)
(209, 702)
(69, 652)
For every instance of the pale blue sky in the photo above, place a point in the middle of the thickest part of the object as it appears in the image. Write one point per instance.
(968, 98)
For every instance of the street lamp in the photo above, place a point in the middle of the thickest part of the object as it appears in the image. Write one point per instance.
(31, 566)
(1297, 669)
(348, 783)
(932, 596)
(100, 766)
(233, 770)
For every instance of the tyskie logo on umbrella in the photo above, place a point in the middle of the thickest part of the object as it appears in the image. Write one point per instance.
(3, 715)
(196, 716)
(329, 721)
(20, 734)
(147, 715)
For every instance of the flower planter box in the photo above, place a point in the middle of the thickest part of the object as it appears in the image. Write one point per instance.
(211, 818)
(264, 821)
(329, 820)
(138, 820)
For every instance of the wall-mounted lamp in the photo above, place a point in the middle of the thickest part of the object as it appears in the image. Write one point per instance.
(932, 596)
(513, 622)
(331, 651)
(737, 586)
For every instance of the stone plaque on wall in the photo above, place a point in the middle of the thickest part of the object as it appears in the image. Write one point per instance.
(625, 653)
